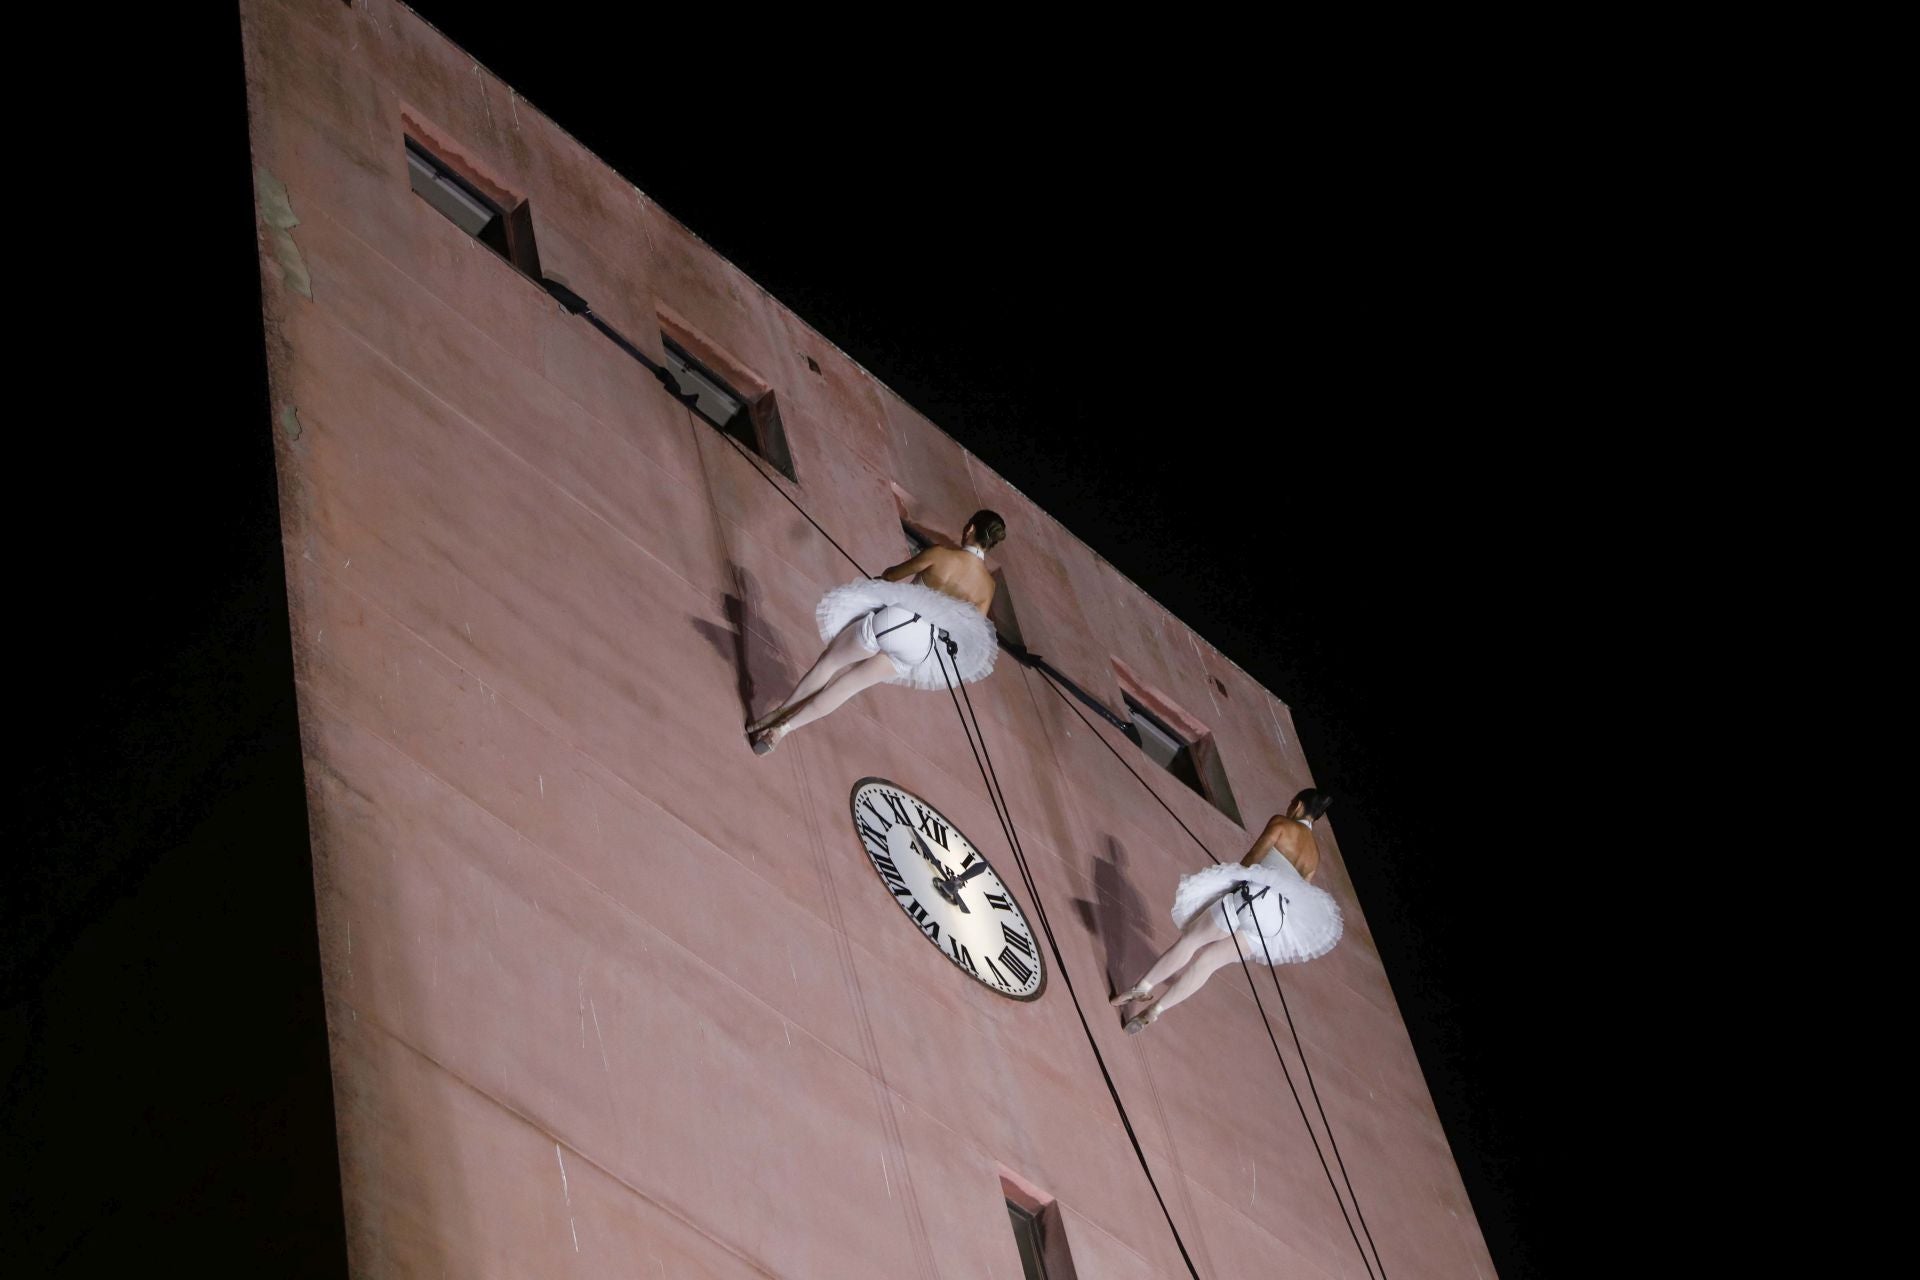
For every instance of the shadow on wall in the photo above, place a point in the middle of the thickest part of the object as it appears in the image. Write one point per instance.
(761, 665)
(1113, 918)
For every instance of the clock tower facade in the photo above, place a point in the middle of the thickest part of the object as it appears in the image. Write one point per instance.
(609, 994)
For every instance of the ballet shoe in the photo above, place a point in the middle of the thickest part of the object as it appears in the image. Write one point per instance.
(1141, 1021)
(772, 728)
(1136, 992)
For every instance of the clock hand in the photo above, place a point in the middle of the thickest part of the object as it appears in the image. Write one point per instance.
(944, 882)
(925, 853)
(969, 874)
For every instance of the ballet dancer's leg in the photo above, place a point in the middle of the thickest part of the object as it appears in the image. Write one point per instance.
(850, 680)
(1205, 927)
(841, 652)
(1191, 979)
(1195, 975)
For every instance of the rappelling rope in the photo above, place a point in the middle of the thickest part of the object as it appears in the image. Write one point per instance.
(983, 759)
(1299, 1048)
(578, 306)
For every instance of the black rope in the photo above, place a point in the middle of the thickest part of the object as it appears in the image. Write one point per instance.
(1001, 813)
(577, 305)
(1299, 1048)
(983, 760)
(1294, 1089)
(1129, 768)
(1021, 654)
(1310, 1086)
(745, 453)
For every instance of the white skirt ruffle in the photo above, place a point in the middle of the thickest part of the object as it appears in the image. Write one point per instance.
(1298, 921)
(978, 645)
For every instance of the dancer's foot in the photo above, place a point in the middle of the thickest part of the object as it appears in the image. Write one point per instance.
(1142, 1020)
(765, 722)
(1131, 994)
(768, 738)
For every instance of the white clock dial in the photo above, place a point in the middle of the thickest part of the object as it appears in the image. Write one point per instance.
(948, 889)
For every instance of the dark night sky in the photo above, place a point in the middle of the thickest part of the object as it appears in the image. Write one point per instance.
(1287, 368)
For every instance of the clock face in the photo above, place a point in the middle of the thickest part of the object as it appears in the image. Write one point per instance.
(947, 889)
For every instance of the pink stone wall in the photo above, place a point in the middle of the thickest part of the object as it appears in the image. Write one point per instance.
(607, 994)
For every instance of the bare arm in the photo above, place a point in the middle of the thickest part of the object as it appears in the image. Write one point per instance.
(950, 572)
(909, 568)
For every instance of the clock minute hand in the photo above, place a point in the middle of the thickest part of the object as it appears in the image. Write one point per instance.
(969, 873)
(925, 852)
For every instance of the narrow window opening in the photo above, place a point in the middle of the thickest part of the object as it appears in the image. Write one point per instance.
(1026, 1234)
(1163, 746)
(714, 400)
(1039, 1234)
(724, 392)
(1176, 742)
(503, 224)
(456, 199)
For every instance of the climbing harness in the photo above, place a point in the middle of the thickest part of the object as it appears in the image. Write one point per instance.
(939, 635)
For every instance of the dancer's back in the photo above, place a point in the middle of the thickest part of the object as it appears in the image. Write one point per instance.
(950, 571)
(1294, 842)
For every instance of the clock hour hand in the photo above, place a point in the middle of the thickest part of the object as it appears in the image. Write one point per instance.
(969, 873)
(943, 883)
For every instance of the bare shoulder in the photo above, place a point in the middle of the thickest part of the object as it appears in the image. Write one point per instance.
(958, 574)
(970, 573)
(1295, 841)
(948, 558)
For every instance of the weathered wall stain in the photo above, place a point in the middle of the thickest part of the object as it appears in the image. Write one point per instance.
(276, 210)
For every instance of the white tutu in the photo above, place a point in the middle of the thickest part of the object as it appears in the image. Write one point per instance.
(1298, 921)
(968, 627)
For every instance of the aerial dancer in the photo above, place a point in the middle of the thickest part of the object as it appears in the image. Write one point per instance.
(1265, 901)
(921, 623)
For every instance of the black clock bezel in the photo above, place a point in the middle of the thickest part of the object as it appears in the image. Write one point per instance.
(853, 799)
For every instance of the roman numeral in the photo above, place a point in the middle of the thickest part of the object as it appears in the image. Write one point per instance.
(969, 860)
(881, 817)
(932, 828)
(998, 976)
(891, 874)
(1001, 901)
(919, 913)
(1016, 939)
(894, 803)
(870, 836)
(961, 955)
(1015, 965)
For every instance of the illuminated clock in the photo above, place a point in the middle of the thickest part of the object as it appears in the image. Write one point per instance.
(948, 889)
